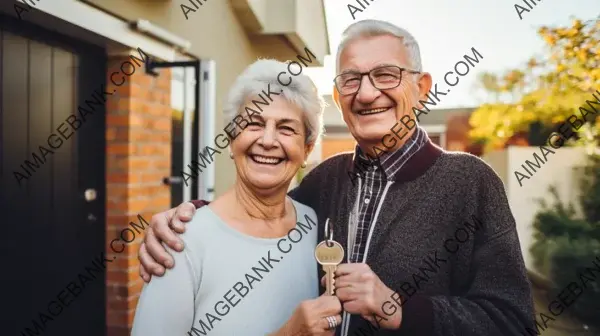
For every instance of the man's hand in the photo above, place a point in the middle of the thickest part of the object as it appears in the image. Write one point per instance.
(152, 254)
(362, 292)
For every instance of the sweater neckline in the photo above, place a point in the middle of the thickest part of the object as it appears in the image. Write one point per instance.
(416, 165)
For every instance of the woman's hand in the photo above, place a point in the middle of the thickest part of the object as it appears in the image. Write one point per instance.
(163, 228)
(310, 317)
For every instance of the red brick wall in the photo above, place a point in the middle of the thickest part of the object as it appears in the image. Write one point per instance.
(457, 135)
(457, 132)
(138, 156)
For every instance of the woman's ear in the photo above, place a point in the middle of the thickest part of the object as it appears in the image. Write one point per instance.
(308, 148)
(336, 97)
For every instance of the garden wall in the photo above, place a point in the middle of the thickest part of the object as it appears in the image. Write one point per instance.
(556, 170)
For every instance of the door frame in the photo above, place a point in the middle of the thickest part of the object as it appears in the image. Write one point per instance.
(198, 123)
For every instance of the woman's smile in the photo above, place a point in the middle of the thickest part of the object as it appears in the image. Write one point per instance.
(265, 159)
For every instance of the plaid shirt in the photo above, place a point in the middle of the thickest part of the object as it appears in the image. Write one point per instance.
(374, 175)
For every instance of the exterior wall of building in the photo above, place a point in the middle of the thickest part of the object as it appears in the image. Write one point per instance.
(498, 161)
(557, 171)
(215, 33)
(138, 156)
(457, 134)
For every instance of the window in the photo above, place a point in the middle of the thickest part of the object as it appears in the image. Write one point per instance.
(182, 103)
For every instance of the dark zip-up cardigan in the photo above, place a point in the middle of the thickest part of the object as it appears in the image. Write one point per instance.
(445, 241)
(482, 287)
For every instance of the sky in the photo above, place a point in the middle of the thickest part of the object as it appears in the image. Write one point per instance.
(447, 30)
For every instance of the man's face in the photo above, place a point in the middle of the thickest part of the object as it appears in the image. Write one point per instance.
(370, 113)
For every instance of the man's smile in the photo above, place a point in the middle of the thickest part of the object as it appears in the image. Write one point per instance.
(373, 111)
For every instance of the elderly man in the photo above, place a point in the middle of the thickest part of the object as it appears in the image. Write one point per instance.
(431, 244)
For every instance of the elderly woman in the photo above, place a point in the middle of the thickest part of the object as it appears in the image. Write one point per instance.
(248, 267)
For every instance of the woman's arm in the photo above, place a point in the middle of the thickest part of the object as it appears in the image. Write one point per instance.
(166, 305)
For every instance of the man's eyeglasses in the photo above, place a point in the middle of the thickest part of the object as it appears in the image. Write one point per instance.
(382, 78)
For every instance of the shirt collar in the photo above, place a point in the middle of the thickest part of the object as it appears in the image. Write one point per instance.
(390, 162)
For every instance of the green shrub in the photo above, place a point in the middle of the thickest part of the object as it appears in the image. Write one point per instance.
(570, 259)
(565, 244)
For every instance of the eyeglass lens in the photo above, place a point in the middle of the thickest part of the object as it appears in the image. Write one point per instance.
(382, 78)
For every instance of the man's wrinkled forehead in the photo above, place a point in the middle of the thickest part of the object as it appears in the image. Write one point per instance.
(355, 69)
(366, 53)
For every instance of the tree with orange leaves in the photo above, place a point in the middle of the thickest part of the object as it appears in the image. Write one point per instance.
(547, 91)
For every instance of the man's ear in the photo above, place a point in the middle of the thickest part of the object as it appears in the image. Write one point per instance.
(425, 82)
(336, 97)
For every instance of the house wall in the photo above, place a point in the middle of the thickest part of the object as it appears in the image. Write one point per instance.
(332, 116)
(457, 130)
(558, 171)
(138, 156)
(498, 160)
(215, 33)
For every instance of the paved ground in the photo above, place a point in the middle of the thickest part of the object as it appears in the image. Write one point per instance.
(565, 324)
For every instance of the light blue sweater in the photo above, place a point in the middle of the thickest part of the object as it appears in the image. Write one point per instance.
(228, 283)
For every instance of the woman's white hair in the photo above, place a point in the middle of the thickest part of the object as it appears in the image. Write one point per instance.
(373, 28)
(301, 92)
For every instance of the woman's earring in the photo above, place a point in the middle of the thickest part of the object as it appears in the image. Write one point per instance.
(231, 155)
(303, 165)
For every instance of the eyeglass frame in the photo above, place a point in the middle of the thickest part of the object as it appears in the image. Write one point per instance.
(368, 74)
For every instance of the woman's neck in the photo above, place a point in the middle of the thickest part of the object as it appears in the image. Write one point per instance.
(264, 206)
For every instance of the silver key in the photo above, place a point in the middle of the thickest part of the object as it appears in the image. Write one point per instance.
(329, 254)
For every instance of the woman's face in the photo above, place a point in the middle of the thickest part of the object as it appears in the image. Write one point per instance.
(269, 151)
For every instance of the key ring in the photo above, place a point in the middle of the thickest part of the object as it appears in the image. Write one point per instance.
(329, 230)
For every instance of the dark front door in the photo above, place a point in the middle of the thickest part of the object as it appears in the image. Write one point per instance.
(52, 183)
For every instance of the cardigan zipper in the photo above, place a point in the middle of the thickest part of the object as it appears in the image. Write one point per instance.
(352, 228)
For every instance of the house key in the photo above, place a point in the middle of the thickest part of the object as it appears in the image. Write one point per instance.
(329, 254)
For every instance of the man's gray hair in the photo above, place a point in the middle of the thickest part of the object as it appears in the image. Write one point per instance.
(262, 75)
(373, 28)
